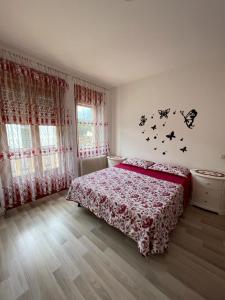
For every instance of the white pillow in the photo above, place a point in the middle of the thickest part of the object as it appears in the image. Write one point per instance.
(141, 163)
(170, 168)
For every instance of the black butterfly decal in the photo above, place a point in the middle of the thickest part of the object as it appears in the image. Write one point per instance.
(152, 116)
(163, 141)
(171, 136)
(189, 118)
(155, 148)
(148, 139)
(153, 127)
(174, 112)
(164, 124)
(164, 153)
(143, 120)
(143, 131)
(164, 113)
(183, 149)
(181, 139)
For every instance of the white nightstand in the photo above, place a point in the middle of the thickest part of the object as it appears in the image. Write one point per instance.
(209, 190)
(114, 160)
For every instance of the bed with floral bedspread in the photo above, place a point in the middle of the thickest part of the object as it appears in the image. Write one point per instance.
(143, 207)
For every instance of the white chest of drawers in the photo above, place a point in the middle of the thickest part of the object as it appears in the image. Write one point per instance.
(208, 192)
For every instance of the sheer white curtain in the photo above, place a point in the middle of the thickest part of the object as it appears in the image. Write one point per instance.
(92, 119)
(36, 134)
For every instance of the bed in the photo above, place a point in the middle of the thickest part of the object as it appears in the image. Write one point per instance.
(144, 204)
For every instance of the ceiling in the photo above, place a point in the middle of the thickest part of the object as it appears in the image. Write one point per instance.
(115, 41)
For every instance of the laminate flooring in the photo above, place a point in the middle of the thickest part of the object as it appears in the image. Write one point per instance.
(51, 249)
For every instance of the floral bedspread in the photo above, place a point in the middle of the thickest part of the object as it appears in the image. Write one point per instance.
(144, 208)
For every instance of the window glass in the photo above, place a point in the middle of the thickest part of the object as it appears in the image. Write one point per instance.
(48, 136)
(49, 143)
(19, 136)
(85, 113)
(22, 167)
(20, 140)
(85, 126)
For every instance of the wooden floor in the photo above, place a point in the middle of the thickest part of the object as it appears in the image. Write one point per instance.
(54, 250)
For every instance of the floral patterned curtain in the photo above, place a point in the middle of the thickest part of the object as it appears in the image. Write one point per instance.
(92, 121)
(36, 157)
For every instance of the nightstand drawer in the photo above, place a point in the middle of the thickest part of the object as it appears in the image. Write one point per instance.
(208, 191)
(208, 203)
(208, 183)
(207, 194)
(210, 199)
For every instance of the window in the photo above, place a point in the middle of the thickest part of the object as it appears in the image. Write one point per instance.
(85, 126)
(49, 143)
(36, 153)
(92, 123)
(20, 142)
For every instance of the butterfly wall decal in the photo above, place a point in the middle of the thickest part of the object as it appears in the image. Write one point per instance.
(189, 118)
(164, 113)
(171, 136)
(184, 149)
(143, 120)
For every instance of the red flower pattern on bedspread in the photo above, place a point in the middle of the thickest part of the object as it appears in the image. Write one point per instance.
(144, 208)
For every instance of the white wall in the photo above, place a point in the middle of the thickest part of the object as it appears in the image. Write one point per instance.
(200, 86)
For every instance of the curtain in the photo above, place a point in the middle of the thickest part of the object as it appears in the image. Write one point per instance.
(36, 155)
(92, 120)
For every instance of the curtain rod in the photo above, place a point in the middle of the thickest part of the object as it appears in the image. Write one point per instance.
(43, 65)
